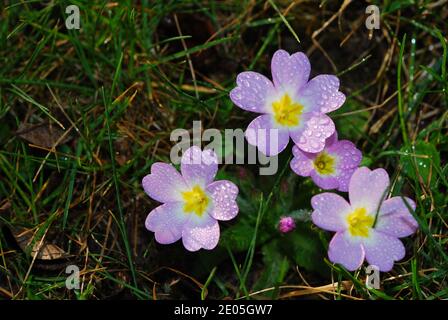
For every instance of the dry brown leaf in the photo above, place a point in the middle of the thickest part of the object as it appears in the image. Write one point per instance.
(43, 135)
(5, 205)
(44, 250)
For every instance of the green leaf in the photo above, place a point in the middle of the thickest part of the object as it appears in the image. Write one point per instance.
(366, 161)
(421, 159)
(305, 248)
(276, 266)
(350, 120)
(237, 237)
(303, 215)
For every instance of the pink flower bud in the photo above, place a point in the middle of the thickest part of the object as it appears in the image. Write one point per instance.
(286, 224)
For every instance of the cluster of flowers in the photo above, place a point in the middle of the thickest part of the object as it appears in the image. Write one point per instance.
(366, 228)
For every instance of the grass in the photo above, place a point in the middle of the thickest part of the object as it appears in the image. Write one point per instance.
(111, 93)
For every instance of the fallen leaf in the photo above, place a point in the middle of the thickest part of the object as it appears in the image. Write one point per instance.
(43, 135)
(5, 205)
(43, 249)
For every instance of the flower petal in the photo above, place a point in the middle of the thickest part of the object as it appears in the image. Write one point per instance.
(252, 91)
(311, 136)
(200, 232)
(199, 167)
(345, 251)
(290, 71)
(330, 211)
(343, 178)
(332, 139)
(321, 94)
(223, 194)
(395, 219)
(382, 250)
(349, 158)
(325, 182)
(302, 163)
(367, 188)
(167, 221)
(268, 139)
(164, 184)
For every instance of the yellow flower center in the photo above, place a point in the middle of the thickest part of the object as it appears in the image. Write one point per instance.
(287, 112)
(324, 163)
(195, 201)
(359, 223)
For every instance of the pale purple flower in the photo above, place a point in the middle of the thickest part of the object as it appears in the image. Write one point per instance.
(286, 224)
(292, 105)
(331, 168)
(367, 227)
(192, 201)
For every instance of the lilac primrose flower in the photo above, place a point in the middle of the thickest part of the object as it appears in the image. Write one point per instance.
(286, 224)
(192, 202)
(292, 105)
(331, 168)
(360, 231)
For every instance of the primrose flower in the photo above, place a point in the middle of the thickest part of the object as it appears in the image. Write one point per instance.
(192, 201)
(360, 231)
(286, 224)
(292, 105)
(331, 168)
